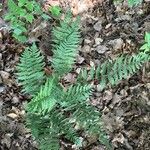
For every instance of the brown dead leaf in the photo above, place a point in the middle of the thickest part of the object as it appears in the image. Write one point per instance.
(7, 140)
(70, 78)
(12, 115)
(121, 139)
(80, 59)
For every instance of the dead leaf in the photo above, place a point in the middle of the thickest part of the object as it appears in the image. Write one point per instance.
(116, 43)
(121, 139)
(98, 25)
(2, 88)
(80, 59)
(12, 115)
(4, 75)
(101, 49)
(70, 78)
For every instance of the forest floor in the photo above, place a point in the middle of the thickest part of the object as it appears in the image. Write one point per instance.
(107, 30)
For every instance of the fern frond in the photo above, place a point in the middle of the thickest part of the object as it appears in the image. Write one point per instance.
(111, 72)
(47, 129)
(30, 70)
(43, 132)
(49, 142)
(134, 2)
(86, 116)
(66, 39)
(76, 94)
(90, 119)
(45, 100)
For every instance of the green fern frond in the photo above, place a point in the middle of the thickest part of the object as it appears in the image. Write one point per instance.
(62, 124)
(30, 70)
(86, 116)
(51, 110)
(90, 119)
(146, 46)
(66, 39)
(45, 100)
(76, 94)
(49, 142)
(111, 72)
(47, 129)
(43, 131)
(134, 2)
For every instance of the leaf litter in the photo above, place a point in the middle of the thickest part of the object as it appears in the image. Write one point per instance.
(108, 30)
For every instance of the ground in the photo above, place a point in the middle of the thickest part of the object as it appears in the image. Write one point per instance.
(108, 30)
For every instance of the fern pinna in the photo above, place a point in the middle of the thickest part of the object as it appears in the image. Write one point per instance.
(53, 111)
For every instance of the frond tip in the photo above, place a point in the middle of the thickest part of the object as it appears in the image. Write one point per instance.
(66, 39)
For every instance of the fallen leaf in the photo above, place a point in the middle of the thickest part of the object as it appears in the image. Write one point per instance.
(4, 75)
(80, 59)
(70, 78)
(2, 88)
(101, 49)
(116, 43)
(98, 25)
(12, 115)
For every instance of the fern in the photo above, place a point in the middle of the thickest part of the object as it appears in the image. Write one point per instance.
(134, 2)
(66, 39)
(41, 129)
(146, 46)
(89, 118)
(44, 101)
(131, 3)
(111, 72)
(30, 70)
(48, 128)
(76, 94)
(55, 111)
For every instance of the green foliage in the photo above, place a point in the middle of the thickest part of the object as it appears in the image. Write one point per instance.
(134, 2)
(146, 46)
(66, 40)
(44, 101)
(30, 70)
(45, 129)
(111, 72)
(48, 128)
(76, 94)
(55, 111)
(21, 14)
(55, 11)
(131, 3)
(93, 124)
